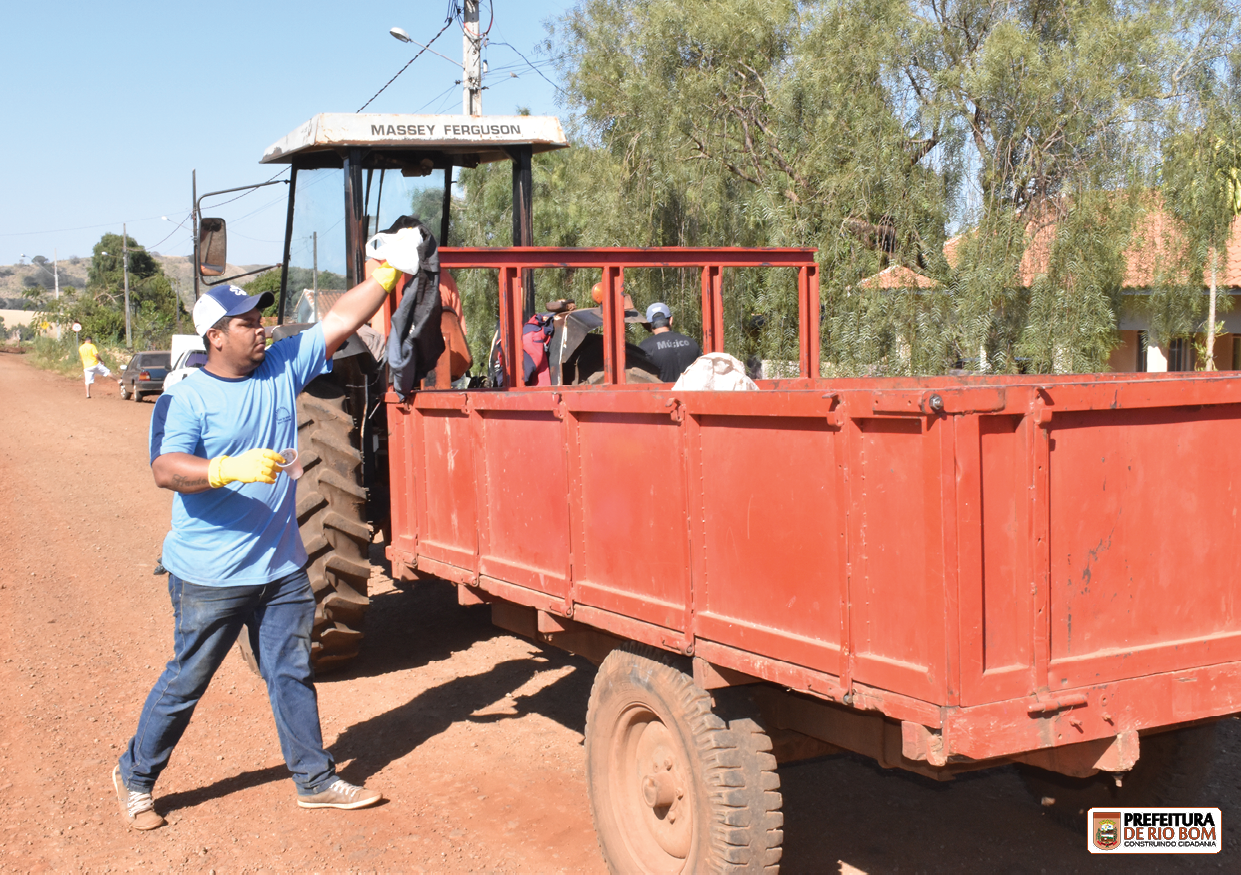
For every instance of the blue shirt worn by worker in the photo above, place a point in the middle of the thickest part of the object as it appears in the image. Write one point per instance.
(241, 534)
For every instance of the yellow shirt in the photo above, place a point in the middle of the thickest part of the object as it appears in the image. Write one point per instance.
(90, 355)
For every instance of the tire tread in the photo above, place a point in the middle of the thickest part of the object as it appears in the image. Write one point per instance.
(745, 820)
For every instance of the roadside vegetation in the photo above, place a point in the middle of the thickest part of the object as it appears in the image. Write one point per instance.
(877, 132)
(99, 307)
(61, 355)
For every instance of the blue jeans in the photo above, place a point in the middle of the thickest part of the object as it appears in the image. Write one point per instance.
(279, 616)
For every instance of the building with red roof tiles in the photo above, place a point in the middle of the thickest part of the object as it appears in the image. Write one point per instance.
(1151, 250)
(897, 276)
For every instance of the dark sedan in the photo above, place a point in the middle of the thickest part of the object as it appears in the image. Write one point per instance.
(144, 375)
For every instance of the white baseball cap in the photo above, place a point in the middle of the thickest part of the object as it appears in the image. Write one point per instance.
(225, 300)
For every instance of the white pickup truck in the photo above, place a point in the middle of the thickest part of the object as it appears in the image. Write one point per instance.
(188, 354)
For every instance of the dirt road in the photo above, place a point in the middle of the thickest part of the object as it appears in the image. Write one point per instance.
(474, 736)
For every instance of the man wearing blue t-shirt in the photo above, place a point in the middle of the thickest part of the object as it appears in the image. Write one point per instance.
(234, 554)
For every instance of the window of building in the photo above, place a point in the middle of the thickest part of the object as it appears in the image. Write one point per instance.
(1236, 353)
(1181, 354)
(1142, 344)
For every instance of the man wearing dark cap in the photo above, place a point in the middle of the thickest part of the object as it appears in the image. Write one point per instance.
(670, 350)
(234, 554)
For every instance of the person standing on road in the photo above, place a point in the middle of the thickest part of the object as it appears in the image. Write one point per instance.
(671, 351)
(234, 553)
(91, 365)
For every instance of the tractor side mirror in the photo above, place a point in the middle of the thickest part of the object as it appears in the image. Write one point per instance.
(212, 247)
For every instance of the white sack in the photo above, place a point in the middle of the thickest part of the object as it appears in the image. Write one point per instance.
(716, 372)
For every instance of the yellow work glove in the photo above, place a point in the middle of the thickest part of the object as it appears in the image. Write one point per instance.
(386, 275)
(253, 466)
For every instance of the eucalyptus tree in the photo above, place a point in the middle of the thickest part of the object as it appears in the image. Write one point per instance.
(1201, 194)
(872, 130)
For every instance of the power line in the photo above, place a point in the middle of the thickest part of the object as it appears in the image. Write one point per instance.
(452, 87)
(447, 25)
(78, 228)
(180, 225)
(255, 239)
(529, 64)
(257, 210)
(249, 191)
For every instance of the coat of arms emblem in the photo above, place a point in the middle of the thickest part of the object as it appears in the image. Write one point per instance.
(1105, 830)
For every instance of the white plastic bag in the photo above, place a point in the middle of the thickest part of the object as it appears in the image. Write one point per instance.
(715, 372)
(399, 249)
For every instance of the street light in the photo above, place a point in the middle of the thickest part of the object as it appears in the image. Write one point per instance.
(399, 33)
(471, 58)
(55, 272)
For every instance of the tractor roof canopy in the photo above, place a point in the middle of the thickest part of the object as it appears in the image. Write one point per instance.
(414, 144)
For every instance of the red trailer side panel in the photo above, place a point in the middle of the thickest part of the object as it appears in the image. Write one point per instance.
(773, 551)
(1014, 562)
(1143, 524)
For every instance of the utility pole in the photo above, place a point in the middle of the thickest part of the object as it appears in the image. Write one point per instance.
(471, 62)
(56, 280)
(194, 215)
(129, 341)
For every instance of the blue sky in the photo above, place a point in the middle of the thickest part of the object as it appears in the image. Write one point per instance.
(109, 107)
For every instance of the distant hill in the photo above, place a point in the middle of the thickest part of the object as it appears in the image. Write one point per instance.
(16, 278)
(180, 269)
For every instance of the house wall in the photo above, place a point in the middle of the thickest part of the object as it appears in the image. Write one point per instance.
(1224, 345)
(1124, 358)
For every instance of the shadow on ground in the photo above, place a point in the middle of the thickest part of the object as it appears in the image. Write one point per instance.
(415, 627)
(842, 810)
(846, 809)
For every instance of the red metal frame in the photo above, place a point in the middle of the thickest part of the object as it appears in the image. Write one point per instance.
(612, 264)
(1012, 563)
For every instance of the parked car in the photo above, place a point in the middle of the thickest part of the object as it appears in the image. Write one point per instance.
(190, 361)
(145, 373)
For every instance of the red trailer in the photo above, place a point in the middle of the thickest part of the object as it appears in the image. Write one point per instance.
(942, 573)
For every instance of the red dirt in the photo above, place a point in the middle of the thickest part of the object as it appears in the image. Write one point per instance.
(473, 735)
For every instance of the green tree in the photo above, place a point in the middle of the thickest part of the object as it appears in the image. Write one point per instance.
(1202, 194)
(100, 308)
(266, 282)
(870, 130)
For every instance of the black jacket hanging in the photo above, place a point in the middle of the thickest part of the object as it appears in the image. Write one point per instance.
(416, 342)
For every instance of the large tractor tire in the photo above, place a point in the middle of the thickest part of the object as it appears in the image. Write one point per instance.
(675, 786)
(331, 512)
(1171, 769)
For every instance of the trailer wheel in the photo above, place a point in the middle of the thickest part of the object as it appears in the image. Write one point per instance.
(674, 786)
(1170, 770)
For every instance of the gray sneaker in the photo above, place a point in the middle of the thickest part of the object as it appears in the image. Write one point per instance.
(341, 794)
(138, 809)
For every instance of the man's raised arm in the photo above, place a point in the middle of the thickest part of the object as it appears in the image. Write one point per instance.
(355, 308)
